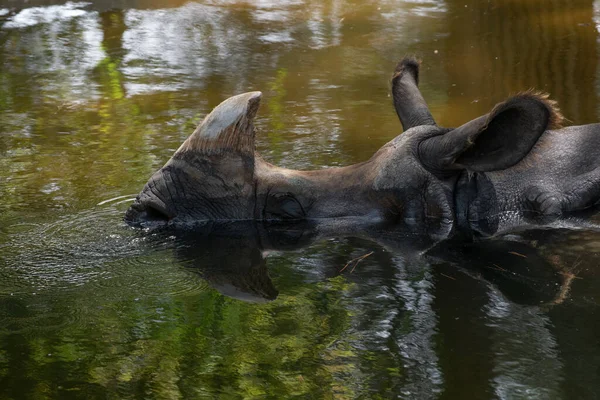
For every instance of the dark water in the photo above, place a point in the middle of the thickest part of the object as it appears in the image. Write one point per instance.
(95, 97)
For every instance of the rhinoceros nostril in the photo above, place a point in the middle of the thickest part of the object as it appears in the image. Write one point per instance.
(156, 214)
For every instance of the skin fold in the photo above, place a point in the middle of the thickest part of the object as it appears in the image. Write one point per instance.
(509, 169)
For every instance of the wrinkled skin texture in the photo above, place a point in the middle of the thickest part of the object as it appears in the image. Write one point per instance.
(559, 178)
(505, 170)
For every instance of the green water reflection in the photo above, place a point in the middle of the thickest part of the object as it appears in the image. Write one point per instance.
(95, 97)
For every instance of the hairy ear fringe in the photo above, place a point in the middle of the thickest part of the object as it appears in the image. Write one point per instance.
(555, 117)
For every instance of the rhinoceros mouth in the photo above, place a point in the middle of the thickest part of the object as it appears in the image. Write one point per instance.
(150, 213)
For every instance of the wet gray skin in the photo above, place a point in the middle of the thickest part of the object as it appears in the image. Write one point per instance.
(504, 170)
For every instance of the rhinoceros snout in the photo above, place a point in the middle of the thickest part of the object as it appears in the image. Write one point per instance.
(211, 176)
(151, 206)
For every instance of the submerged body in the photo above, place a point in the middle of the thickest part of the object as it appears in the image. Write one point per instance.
(501, 171)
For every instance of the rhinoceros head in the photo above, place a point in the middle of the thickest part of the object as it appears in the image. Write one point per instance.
(211, 175)
(217, 175)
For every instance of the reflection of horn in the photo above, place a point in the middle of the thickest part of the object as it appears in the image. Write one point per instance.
(228, 127)
(229, 257)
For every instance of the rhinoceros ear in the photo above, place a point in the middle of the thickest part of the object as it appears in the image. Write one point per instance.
(410, 105)
(494, 141)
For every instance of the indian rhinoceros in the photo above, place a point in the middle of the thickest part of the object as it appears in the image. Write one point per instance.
(506, 169)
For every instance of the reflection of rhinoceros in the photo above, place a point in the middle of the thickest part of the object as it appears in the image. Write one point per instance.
(500, 171)
(231, 257)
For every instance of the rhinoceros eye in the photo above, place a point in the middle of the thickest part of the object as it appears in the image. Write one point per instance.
(283, 206)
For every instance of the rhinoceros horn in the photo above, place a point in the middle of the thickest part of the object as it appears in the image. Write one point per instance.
(228, 127)
(218, 156)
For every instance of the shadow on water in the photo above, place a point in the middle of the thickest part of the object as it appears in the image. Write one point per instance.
(232, 257)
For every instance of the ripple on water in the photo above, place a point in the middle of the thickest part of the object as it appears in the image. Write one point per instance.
(153, 273)
(23, 312)
(92, 249)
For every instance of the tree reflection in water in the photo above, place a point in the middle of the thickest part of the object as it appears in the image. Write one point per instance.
(95, 96)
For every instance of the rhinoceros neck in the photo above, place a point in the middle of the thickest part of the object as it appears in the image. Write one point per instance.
(325, 193)
(475, 204)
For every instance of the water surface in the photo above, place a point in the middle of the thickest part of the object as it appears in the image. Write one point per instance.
(96, 96)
